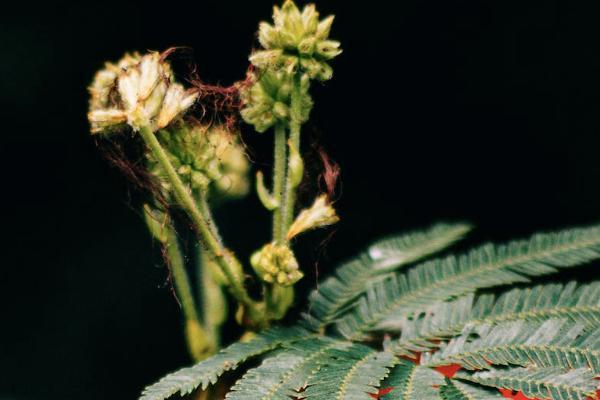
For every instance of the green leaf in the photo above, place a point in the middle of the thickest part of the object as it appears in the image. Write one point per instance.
(282, 375)
(413, 382)
(455, 390)
(207, 372)
(543, 383)
(350, 280)
(349, 373)
(554, 343)
(581, 305)
(423, 286)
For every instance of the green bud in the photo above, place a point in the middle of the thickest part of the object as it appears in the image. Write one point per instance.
(280, 110)
(296, 35)
(307, 46)
(264, 196)
(328, 49)
(206, 157)
(296, 165)
(267, 98)
(276, 264)
(324, 28)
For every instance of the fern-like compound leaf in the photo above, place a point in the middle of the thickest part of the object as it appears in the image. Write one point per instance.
(416, 290)
(543, 383)
(410, 381)
(350, 373)
(554, 343)
(456, 390)
(208, 371)
(350, 280)
(283, 375)
(580, 305)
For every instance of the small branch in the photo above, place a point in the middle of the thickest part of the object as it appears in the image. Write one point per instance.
(207, 214)
(200, 345)
(181, 281)
(186, 201)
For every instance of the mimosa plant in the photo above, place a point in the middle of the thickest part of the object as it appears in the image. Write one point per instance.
(388, 324)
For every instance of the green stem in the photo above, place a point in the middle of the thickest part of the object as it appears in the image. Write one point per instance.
(207, 214)
(180, 276)
(279, 176)
(199, 343)
(186, 201)
(295, 128)
(214, 303)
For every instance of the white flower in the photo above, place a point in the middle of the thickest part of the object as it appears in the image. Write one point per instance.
(320, 214)
(139, 91)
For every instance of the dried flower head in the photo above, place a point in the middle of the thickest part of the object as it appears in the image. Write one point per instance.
(267, 99)
(138, 91)
(276, 264)
(203, 155)
(320, 214)
(297, 40)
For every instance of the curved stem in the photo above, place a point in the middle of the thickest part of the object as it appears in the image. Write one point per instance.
(186, 201)
(279, 177)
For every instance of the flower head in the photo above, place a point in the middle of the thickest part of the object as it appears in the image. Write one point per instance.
(138, 91)
(320, 214)
(203, 155)
(267, 98)
(276, 264)
(297, 40)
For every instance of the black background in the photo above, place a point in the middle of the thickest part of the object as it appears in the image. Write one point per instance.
(438, 110)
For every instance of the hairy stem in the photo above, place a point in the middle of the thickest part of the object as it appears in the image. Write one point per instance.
(207, 215)
(186, 201)
(295, 127)
(279, 177)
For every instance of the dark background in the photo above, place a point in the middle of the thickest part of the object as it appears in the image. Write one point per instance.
(438, 110)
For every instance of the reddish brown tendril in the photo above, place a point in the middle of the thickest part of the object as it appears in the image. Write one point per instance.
(331, 173)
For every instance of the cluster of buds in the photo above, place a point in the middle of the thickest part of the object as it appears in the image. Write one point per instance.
(268, 96)
(202, 155)
(139, 91)
(297, 41)
(276, 264)
(233, 163)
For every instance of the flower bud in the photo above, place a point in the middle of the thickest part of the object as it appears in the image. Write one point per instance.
(206, 157)
(276, 264)
(264, 196)
(296, 36)
(320, 214)
(266, 99)
(140, 88)
(232, 163)
(295, 165)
